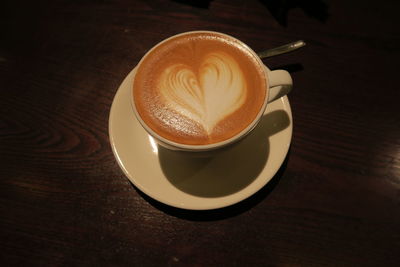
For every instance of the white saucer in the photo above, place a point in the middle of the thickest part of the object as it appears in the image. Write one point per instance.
(195, 181)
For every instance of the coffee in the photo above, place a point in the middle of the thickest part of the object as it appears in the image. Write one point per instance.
(199, 88)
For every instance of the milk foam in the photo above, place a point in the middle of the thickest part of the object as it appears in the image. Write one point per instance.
(207, 95)
(199, 88)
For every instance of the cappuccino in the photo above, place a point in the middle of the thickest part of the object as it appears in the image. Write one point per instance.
(199, 88)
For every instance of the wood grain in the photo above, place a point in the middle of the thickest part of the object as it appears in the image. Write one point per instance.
(65, 202)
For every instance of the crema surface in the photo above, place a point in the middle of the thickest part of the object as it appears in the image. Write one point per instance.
(199, 88)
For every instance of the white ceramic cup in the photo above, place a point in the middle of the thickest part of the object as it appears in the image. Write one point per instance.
(279, 84)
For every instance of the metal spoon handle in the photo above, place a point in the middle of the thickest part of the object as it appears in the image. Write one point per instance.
(281, 49)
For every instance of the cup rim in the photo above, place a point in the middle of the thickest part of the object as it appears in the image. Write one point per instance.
(206, 147)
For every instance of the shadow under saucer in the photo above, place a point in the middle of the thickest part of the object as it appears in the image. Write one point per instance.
(225, 171)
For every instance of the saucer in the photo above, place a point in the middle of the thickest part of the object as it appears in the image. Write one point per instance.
(195, 181)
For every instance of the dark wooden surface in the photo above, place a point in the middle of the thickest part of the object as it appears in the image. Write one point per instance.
(65, 202)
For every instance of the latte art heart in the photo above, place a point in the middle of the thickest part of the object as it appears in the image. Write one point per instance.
(199, 88)
(207, 95)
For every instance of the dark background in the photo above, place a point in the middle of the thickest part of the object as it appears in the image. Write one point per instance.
(65, 202)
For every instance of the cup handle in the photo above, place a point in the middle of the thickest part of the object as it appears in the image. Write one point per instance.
(280, 84)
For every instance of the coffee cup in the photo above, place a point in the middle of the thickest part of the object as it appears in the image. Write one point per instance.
(203, 90)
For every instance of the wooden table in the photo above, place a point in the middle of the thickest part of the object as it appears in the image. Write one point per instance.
(64, 201)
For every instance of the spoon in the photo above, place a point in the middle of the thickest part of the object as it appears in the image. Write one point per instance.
(281, 49)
